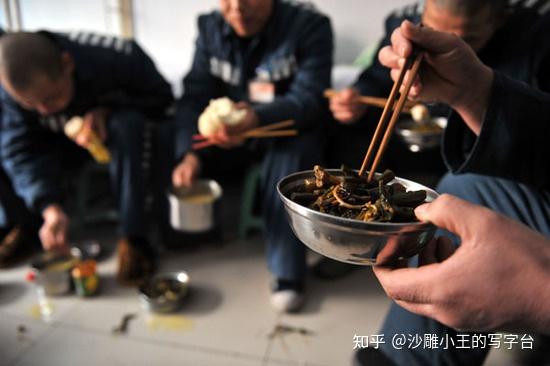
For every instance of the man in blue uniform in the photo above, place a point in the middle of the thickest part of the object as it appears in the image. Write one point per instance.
(515, 46)
(275, 58)
(47, 79)
(503, 36)
(18, 227)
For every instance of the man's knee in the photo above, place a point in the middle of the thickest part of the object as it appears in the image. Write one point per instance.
(470, 187)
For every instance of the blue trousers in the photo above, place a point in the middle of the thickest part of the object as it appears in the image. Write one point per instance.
(12, 208)
(280, 157)
(285, 253)
(517, 201)
(126, 144)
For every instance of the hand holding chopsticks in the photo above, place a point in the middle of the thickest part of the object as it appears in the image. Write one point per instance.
(267, 131)
(412, 65)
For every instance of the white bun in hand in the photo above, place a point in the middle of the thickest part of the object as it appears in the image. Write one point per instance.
(219, 112)
(73, 127)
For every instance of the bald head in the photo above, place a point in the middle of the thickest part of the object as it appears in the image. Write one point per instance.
(27, 56)
(470, 7)
(36, 72)
(475, 21)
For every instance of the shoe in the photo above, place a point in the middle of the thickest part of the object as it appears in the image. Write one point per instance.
(136, 262)
(329, 269)
(16, 246)
(371, 357)
(287, 296)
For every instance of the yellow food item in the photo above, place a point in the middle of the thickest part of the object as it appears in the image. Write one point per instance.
(199, 198)
(96, 148)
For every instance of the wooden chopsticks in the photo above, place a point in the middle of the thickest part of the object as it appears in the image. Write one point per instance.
(412, 64)
(267, 131)
(368, 100)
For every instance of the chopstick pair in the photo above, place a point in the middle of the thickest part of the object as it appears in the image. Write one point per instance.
(412, 65)
(268, 131)
(368, 100)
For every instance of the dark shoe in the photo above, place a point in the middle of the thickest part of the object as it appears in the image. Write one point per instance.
(136, 262)
(16, 246)
(287, 296)
(371, 357)
(329, 269)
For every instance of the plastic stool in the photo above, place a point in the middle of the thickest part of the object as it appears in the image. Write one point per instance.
(248, 219)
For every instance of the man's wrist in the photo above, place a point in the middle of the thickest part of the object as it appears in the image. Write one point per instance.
(473, 106)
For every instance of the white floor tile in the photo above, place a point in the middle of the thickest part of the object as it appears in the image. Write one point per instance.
(18, 334)
(76, 347)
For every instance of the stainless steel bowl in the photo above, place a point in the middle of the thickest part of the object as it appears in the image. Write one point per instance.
(162, 304)
(192, 216)
(354, 241)
(52, 271)
(417, 139)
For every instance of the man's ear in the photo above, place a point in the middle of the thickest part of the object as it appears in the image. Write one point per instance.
(67, 63)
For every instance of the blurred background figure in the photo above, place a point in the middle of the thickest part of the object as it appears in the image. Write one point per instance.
(18, 227)
(47, 79)
(274, 58)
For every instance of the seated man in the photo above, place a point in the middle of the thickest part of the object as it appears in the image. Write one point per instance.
(48, 78)
(17, 226)
(503, 37)
(284, 50)
(486, 150)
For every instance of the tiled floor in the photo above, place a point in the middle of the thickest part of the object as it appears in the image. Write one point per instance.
(226, 320)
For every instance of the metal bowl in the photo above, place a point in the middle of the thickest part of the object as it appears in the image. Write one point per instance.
(354, 241)
(192, 216)
(416, 138)
(163, 304)
(52, 271)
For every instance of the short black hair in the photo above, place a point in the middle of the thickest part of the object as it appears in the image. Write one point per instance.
(469, 7)
(24, 56)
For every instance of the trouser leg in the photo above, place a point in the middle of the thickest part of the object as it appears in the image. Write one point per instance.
(126, 140)
(285, 253)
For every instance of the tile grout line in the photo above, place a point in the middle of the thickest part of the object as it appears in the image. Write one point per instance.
(52, 326)
(164, 343)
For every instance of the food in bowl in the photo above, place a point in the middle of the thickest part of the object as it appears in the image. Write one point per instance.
(350, 196)
(420, 113)
(200, 198)
(164, 289)
(165, 292)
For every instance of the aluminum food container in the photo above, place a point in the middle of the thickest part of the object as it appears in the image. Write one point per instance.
(163, 304)
(52, 272)
(418, 140)
(194, 216)
(354, 241)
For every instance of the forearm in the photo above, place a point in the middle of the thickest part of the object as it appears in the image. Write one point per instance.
(512, 139)
(473, 104)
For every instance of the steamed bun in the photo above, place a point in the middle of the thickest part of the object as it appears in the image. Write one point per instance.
(420, 113)
(219, 112)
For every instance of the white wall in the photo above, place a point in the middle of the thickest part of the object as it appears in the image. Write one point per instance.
(167, 28)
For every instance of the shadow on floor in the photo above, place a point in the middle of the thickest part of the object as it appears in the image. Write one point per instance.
(11, 292)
